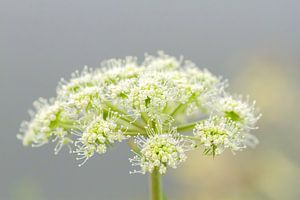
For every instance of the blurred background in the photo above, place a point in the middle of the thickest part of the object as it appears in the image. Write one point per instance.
(255, 44)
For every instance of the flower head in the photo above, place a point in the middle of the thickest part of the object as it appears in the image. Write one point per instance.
(218, 133)
(86, 98)
(242, 113)
(161, 151)
(78, 81)
(155, 102)
(99, 133)
(49, 121)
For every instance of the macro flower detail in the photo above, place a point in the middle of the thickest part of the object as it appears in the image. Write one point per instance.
(242, 113)
(48, 121)
(152, 106)
(86, 98)
(100, 133)
(78, 81)
(218, 133)
(161, 151)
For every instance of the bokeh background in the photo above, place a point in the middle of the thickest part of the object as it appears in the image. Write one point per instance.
(255, 44)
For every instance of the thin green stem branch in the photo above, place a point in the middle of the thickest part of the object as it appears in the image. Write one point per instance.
(189, 126)
(144, 117)
(177, 109)
(133, 145)
(182, 106)
(133, 126)
(192, 137)
(67, 125)
(124, 116)
(186, 127)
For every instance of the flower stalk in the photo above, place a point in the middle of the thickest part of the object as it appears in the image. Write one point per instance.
(156, 186)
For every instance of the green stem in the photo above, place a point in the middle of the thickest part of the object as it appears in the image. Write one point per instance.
(133, 127)
(192, 137)
(144, 117)
(156, 191)
(133, 145)
(67, 125)
(182, 106)
(127, 119)
(186, 127)
(189, 126)
(177, 109)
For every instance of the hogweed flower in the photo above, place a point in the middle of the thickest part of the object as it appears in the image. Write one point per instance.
(218, 133)
(244, 114)
(160, 151)
(99, 133)
(153, 105)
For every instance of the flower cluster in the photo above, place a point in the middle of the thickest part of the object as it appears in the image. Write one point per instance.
(123, 99)
(235, 109)
(99, 133)
(160, 151)
(48, 121)
(218, 133)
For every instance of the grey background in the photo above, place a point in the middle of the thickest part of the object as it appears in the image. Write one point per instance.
(42, 41)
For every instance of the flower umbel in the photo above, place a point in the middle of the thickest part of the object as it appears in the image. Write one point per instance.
(49, 121)
(101, 132)
(161, 151)
(155, 104)
(244, 114)
(218, 133)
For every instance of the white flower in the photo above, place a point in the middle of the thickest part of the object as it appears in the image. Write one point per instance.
(49, 121)
(218, 133)
(162, 62)
(114, 70)
(242, 113)
(122, 99)
(161, 151)
(78, 81)
(99, 133)
(86, 98)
